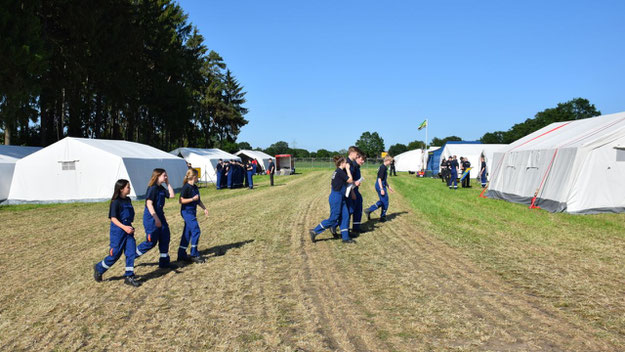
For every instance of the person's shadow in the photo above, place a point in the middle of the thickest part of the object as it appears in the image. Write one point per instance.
(159, 272)
(370, 226)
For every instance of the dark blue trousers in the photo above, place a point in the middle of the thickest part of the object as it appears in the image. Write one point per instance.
(382, 203)
(121, 242)
(250, 181)
(454, 178)
(484, 179)
(338, 210)
(218, 182)
(154, 235)
(190, 234)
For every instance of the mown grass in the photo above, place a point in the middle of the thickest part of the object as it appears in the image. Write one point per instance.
(573, 261)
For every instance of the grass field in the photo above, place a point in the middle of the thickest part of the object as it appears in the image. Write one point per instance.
(449, 271)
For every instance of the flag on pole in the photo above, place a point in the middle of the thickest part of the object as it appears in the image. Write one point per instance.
(423, 125)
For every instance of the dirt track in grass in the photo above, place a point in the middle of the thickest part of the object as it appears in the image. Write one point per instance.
(265, 286)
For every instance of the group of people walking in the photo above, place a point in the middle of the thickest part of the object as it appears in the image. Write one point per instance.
(450, 175)
(122, 214)
(236, 174)
(345, 200)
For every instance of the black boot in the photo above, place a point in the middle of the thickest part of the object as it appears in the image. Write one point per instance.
(198, 260)
(130, 280)
(368, 213)
(96, 274)
(313, 234)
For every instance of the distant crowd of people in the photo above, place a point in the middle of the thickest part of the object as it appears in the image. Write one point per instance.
(449, 172)
(235, 174)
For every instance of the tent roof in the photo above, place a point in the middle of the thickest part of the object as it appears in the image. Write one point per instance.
(256, 154)
(571, 134)
(212, 153)
(123, 149)
(12, 153)
(414, 152)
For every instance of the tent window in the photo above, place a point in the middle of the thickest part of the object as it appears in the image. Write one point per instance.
(68, 165)
(620, 155)
(532, 161)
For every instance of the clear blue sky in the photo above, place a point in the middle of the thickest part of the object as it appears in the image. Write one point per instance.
(319, 73)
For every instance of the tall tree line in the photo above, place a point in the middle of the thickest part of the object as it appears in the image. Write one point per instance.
(119, 69)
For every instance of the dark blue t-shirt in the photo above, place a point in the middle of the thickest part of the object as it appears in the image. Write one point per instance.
(188, 192)
(271, 167)
(122, 210)
(339, 179)
(382, 173)
(354, 168)
(157, 195)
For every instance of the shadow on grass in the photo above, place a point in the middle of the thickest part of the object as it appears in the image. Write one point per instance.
(222, 249)
(159, 272)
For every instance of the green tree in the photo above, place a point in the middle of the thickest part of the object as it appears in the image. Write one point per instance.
(244, 145)
(323, 153)
(280, 147)
(371, 144)
(416, 145)
(441, 142)
(574, 109)
(397, 149)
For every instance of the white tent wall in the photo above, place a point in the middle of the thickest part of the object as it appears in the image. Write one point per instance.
(410, 161)
(261, 157)
(205, 159)
(9, 155)
(6, 175)
(488, 151)
(574, 166)
(91, 171)
(470, 151)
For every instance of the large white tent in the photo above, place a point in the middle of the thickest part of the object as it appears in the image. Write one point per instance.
(411, 161)
(261, 157)
(80, 169)
(205, 159)
(488, 152)
(574, 166)
(9, 155)
(472, 151)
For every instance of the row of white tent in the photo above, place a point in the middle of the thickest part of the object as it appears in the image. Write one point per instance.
(413, 160)
(573, 166)
(80, 169)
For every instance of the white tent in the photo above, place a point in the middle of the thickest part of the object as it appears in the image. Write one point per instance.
(9, 155)
(488, 152)
(80, 169)
(473, 152)
(411, 160)
(574, 166)
(204, 159)
(261, 157)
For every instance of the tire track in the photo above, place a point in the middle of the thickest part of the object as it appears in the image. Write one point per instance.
(326, 286)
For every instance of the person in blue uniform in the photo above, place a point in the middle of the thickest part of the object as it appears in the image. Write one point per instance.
(229, 173)
(381, 186)
(466, 181)
(453, 171)
(218, 172)
(354, 201)
(251, 170)
(271, 169)
(189, 201)
(483, 171)
(338, 209)
(122, 239)
(445, 170)
(154, 221)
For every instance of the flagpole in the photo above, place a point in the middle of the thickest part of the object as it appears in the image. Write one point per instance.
(426, 146)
